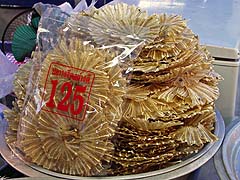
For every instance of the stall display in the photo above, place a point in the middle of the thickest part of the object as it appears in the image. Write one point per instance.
(114, 91)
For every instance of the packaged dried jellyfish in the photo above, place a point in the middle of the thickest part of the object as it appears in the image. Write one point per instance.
(115, 91)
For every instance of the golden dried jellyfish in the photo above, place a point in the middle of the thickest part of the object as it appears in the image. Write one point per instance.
(171, 94)
(13, 115)
(91, 114)
(122, 24)
(66, 144)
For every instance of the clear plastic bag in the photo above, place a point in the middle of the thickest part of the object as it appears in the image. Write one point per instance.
(7, 71)
(74, 95)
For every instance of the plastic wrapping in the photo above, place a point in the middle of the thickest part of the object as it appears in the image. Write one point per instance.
(7, 70)
(113, 91)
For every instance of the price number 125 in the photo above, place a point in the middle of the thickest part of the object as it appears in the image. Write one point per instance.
(65, 104)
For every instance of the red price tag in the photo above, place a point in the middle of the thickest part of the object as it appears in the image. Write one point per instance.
(67, 90)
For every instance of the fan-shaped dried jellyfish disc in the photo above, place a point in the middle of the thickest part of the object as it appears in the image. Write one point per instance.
(212, 78)
(29, 141)
(138, 93)
(122, 24)
(57, 143)
(153, 72)
(79, 145)
(12, 116)
(187, 86)
(149, 108)
(189, 113)
(185, 150)
(143, 104)
(145, 125)
(171, 24)
(145, 54)
(197, 56)
(137, 104)
(168, 48)
(173, 38)
(198, 94)
(207, 119)
(195, 134)
(21, 81)
(149, 65)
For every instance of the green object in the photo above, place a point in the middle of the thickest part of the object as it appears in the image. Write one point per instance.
(35, 21)
(24, 42)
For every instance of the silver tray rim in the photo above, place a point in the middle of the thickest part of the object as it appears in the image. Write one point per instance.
(218, 157)
(175, 171)
(228, 163)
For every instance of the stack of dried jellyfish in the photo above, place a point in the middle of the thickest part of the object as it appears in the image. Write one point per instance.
(166, 96)
(168, 110)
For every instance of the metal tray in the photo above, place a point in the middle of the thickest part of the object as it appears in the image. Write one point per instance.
(218, 157)
(172, 172)
(231, 152)
(3, 164)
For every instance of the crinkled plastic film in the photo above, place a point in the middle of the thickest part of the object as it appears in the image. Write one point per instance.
(113, 91)
(73, 96)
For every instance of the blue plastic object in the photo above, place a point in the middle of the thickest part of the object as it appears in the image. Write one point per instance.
(30, 3)
(1, 115)
(99, 3)
(207, 171)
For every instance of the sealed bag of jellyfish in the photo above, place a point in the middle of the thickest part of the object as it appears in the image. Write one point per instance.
(113, 91)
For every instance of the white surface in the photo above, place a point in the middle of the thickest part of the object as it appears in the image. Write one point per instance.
(228, 88)
(223, 52)
(7, 71)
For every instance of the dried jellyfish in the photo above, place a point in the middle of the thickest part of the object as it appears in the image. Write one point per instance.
(171, 97)
(108, 86)
(197, 130)
(65, 145)
(72, 146)
(13, 115)
(187, 86)
(144, 114)
(142, 147)
(122, 24)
